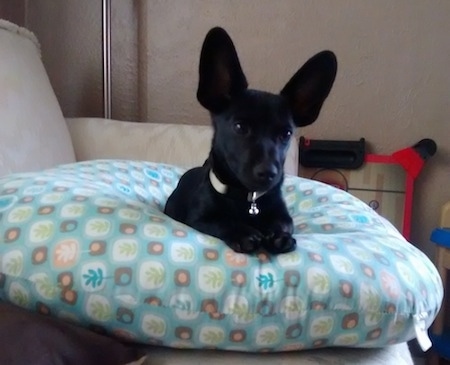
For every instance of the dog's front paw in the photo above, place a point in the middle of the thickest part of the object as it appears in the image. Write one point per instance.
(248, 242)
(281, 243)
(279, 239)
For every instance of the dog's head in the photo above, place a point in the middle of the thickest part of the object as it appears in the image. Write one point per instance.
(252, 129)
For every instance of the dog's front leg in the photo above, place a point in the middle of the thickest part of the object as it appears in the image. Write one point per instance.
(278, 235)
(238, 236)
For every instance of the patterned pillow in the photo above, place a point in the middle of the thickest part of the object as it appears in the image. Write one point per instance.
(88, 242)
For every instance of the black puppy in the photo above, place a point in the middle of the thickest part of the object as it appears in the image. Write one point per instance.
(236, 194)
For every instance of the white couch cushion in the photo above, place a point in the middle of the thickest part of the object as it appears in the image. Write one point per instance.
(177, 144)
(33, 132)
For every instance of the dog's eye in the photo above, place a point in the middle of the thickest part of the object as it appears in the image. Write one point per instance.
(241, 128)
(285, 136)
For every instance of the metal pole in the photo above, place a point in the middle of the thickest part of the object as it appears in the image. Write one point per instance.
(106, 48)
(143, 55)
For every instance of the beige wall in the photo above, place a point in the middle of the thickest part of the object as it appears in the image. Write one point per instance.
(70, 33)
(13, 10)
(392, 88)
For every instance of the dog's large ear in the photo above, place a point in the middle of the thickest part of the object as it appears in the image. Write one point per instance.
(220, 72)
(309, 87)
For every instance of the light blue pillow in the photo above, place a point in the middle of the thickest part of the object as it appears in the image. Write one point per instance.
(88, 242)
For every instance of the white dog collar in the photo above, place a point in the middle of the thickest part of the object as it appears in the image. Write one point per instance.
(221, 188)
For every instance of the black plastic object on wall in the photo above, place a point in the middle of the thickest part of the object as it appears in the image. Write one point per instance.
(332, 154)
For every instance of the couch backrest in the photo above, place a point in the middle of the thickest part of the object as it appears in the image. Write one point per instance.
(177, 144)
(33, 132)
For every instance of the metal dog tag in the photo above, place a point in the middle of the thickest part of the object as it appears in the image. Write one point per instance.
(254, 210)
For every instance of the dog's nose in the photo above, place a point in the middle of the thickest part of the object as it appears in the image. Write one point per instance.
(265, 173)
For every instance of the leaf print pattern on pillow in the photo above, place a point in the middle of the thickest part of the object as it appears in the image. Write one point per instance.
(89, 242)
(65, 253)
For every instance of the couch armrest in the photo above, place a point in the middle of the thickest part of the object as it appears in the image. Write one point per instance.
(178, 144)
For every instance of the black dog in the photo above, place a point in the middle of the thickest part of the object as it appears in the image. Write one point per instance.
(236, 194)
